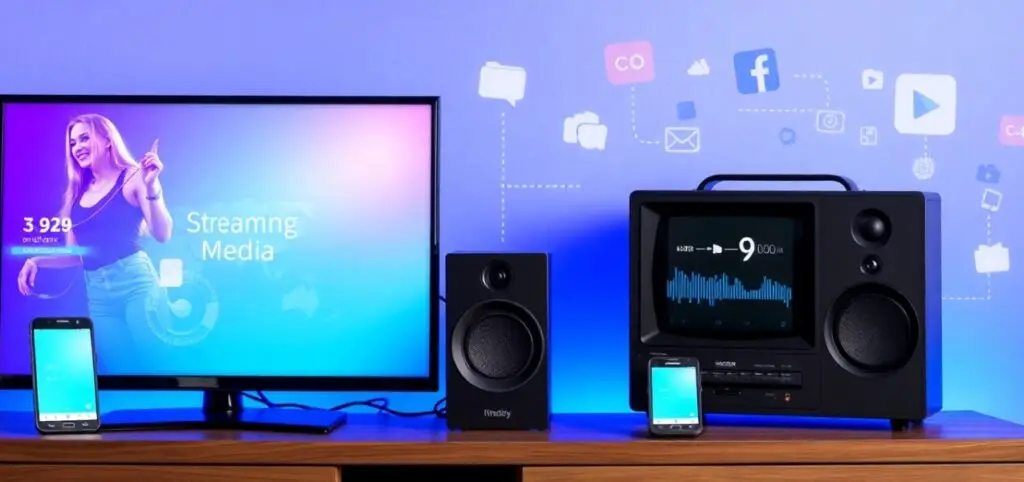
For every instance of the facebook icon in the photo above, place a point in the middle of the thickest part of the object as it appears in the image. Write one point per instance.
(757, 71)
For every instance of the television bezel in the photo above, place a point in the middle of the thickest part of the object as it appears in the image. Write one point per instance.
(429, 383)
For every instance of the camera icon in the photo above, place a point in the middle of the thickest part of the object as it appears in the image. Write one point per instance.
(830, 121)
(988, 174)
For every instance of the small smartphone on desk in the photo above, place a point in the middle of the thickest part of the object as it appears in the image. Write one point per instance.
(674, 406)
(64, 388)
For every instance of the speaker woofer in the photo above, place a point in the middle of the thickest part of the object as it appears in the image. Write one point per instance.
(497, 345)
(871, 330)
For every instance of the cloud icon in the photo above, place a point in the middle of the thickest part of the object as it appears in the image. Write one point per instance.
(699, 68)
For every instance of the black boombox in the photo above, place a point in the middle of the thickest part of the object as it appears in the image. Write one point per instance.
(815, 303)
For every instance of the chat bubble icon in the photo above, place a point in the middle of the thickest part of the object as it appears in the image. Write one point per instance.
(502, 82)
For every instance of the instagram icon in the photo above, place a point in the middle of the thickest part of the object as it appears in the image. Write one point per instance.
(1011, 130)
(629, 63)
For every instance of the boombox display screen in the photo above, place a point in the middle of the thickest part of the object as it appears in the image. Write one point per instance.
(743, 272)
(730, 274)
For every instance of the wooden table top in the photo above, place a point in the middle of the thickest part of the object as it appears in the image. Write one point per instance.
(572, 440)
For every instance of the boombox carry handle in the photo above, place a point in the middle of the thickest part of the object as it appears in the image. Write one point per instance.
(709, 183)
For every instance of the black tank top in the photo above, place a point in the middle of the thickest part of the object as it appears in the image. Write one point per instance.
(110, 234)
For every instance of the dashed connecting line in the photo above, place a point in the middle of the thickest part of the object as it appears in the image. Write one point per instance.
(926, 147)
(535, 187)
(503, 177)
(824, 82)
(504, 186)
(776, 111)
(988, 276)
(632, 119)
(816, 77)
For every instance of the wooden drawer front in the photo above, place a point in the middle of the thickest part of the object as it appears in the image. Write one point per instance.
(154, 473)
(780, 473)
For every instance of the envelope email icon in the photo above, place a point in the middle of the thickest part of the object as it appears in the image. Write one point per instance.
(682, 140)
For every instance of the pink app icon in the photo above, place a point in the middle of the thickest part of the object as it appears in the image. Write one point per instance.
(1011, 130)
(629, 62)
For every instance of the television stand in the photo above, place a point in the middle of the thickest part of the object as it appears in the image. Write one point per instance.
(222, 410)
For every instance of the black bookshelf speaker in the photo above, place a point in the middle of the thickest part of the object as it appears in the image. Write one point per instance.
(497, 323)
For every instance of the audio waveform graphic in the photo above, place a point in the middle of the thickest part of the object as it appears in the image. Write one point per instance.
(696, 288)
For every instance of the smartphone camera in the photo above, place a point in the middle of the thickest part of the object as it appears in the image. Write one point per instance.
(497, 275)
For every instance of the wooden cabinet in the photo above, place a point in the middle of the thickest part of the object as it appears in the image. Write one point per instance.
(149, 473)
(590, 448)
(791, 473)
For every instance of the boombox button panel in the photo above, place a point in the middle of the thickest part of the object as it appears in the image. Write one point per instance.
(751, 379)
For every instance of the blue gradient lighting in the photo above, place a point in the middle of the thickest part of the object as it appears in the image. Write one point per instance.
(510, 181)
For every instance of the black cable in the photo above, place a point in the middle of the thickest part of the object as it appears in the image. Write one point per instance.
(440, 409)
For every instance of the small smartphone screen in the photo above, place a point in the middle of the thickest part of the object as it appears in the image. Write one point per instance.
(65, 378)
(675, 396)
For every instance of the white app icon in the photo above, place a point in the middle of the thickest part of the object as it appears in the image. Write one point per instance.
(172, 273)
(502, 82)
(992, 259)
(991, 200)
(699, 68)
(871, 79)
(869, 136)
(586, 130)
(682, 140)
(925, 104)
(923, 168)
(830, 121)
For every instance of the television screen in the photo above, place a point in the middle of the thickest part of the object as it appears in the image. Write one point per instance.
(222, 239)
(730, 274)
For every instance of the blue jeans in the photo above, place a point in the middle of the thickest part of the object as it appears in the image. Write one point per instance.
(124, 297)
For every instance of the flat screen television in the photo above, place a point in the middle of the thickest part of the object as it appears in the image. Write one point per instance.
(225, 244)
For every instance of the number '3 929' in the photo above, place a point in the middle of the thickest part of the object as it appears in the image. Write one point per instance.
(47, 225)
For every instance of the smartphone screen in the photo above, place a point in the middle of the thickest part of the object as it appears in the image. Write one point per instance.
(64, 376)
(675, 398)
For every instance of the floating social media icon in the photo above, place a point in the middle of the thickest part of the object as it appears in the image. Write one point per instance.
(757, 71)
(830, 121)
(993, 258)
(686, 110)
(629, 62)
(172, 273)
(991, 200)
(871, 79)
(682, 140)
(1011, 130)
(699, 68)
(988, 174)
(925, 104)
(869, 136)
(502, 82)
(585, 129)
(923, 168)
(787, 136)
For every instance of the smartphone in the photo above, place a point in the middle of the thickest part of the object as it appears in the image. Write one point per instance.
(674, 406)
(64, 388)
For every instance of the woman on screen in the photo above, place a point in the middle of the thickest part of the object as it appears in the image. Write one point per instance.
(111, 200)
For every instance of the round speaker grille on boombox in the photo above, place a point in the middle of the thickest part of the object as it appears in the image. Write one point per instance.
(871, 330)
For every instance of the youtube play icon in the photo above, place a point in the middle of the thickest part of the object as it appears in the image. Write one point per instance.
(925, 104)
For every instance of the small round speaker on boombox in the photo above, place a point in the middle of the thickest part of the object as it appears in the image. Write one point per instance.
(497, 345)
(871, 330)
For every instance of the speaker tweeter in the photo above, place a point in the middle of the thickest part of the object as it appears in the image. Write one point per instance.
(871, 228)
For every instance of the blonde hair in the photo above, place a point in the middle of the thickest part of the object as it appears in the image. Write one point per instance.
(100, 129)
